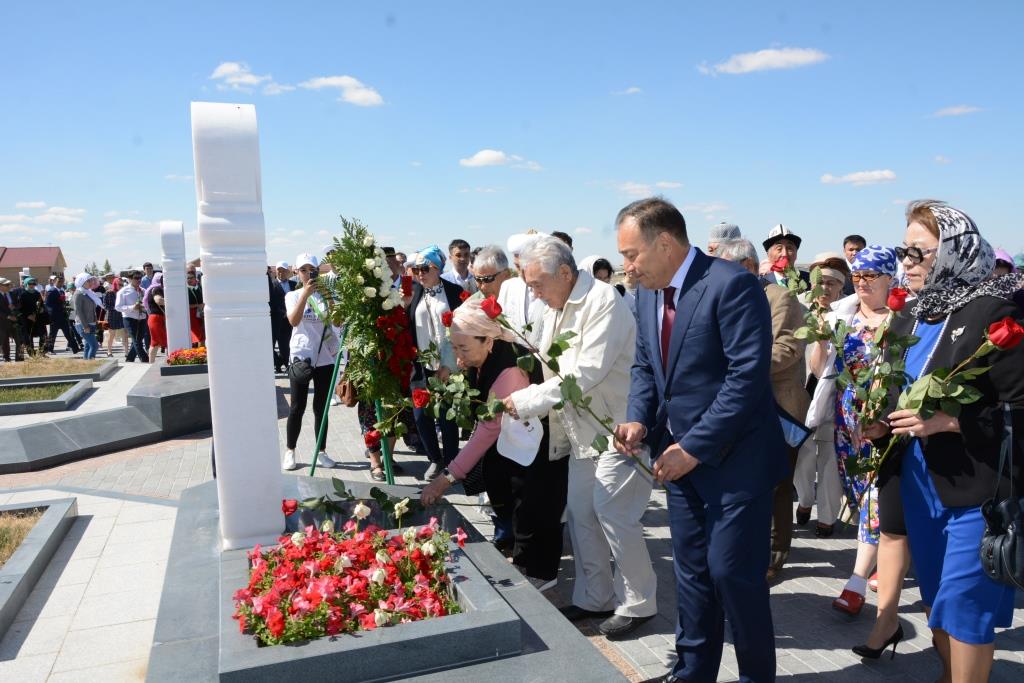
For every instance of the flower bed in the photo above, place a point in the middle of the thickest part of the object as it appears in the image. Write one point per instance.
(188, 357)
(320, 583)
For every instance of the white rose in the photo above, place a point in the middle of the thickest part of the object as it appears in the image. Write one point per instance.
(428, 548)
(401, 507)
(298, 538)
(370, 263)
(380, 617)
(327, 527)
(360, 511)
(359, 279)
(368, 241)
(394, 297)
(387, 305)
(370, 292)
(378, 575)
(378, 271)
(383, 557)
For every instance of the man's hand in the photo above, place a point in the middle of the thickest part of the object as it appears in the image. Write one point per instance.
(673, 464)
(443, 373)
(910, 423)
(433, 491)
(510, 408)
(629, 438)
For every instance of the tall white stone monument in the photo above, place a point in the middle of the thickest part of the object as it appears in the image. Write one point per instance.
(172, 242)
(232, 246)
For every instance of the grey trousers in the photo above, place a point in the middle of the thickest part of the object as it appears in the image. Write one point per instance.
(817, 460)
(607, 498)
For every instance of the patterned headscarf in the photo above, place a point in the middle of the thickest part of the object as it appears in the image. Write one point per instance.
(432, 255)
(962, 268)
(877, 258)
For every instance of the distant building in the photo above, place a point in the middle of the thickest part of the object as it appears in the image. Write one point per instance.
(41, 262)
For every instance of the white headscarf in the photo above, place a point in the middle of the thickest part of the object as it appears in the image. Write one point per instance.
(80, 281)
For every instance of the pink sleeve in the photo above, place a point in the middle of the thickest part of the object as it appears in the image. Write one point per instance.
(486, 433)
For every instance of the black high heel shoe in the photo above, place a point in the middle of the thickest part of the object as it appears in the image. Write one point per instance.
(873, 653)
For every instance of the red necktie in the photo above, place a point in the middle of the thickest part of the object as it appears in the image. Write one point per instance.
(668, 317)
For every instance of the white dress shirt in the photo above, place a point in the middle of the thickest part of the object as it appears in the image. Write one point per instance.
(125, 302)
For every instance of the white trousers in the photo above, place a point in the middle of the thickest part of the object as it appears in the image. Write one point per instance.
(817, 460)
(607, 498)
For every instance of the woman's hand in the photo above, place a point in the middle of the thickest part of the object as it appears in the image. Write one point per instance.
(910, 423)
(433, 491)
(875, 430)
(308, 289)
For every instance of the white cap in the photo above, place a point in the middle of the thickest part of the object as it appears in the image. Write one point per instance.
(779, 233)
(282, 264)
(516, 243)
(306, 260)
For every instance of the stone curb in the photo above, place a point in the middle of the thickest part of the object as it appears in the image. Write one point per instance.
(108, 368)
(63, 402)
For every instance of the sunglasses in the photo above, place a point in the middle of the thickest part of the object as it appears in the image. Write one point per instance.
(419, 269)
(484, 279)
(866, 277)
(914, 254)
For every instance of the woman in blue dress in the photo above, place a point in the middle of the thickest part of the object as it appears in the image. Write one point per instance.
(949, 468)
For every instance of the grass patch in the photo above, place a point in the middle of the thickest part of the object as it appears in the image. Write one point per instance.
(14, 527)
(39, 366)
(41, 392)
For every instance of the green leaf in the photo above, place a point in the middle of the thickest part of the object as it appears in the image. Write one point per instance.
(555, 351)
(802, 333)
(600, 443)
(950, 407)
(525, 363)
(339, 487)
(450, 414)
(552, 365)
(563, 339)
(973, 373)
(400, 429)
(379, 496)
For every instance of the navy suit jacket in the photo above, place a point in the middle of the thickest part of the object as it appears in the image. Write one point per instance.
(717, 391)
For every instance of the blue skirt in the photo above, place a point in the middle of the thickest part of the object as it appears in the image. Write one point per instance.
(944, 545)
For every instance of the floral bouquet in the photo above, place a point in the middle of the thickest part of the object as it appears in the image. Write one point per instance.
(187, 357)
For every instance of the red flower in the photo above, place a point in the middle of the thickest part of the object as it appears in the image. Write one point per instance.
(1005, 334)
(897, 299)
(446, 318)
(275, 623)
(780, 265)
(289, 506)
(372, 439)
(420, 398)
(460, 537)
(491, 307)
(465, 295)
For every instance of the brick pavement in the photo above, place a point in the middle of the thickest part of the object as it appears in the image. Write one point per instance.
(812, 640)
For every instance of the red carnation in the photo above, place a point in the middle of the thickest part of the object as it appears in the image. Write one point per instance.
(897, 299)
(491, 307)
(465, 295)
(460, 537)
(446, 318)
(420, 398)
(289, 506)
(1005, 334)
(780, 265)
(372, 439)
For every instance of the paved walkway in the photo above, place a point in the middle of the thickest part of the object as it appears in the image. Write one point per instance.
(92, 617)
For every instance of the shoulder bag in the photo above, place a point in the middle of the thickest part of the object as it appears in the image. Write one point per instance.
(300, 370)
(1002, 546)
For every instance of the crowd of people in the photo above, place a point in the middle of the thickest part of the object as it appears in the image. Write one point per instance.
(695, 356)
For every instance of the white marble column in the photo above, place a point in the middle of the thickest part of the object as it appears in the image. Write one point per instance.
(232, 246)
(172, 242)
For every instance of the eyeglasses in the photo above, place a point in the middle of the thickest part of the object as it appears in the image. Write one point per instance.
(866, 276)
(419, 269)
(485, 279)
(915, 254)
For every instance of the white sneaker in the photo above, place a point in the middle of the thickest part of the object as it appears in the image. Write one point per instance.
(289, 460)
(542, 584)
(335, 401)
(323, 461)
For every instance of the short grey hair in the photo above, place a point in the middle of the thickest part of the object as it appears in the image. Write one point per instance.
(491, 256)
(737, 251)
(549, 252)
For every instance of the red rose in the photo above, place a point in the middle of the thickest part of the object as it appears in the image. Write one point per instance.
(780, 265)
(1005, 333)
(420, 398)
(465, 295)
(289, 506)
(897, 299)
(372, 439)
(446, 318)
(491, 307)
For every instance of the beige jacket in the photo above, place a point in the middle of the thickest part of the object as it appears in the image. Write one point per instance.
(789, 371)
(599, 356)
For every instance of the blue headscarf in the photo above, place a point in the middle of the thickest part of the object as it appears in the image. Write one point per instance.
(432, 255)
(877, 258)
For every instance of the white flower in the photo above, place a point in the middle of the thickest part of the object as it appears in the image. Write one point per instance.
(360, 511)
(327, 527)
(383, 557)
(368, 241)
(380, 617)
(428, 548)
(401, 507)
(409, 535)
(370, 263)
(359, 279)
(387, 305)
(344, 562)
(370, 292)
(378, 575)
(378, 271)
(298, 538)
(394, 296)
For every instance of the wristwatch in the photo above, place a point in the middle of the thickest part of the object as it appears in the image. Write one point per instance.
(448, 475)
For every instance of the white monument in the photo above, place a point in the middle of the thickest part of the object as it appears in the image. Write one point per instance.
(172, 242)
(232, 246)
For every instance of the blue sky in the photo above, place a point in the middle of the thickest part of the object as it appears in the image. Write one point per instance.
(430, 121)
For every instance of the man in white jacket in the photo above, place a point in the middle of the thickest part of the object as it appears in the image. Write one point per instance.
(522, 308)
(608, 493)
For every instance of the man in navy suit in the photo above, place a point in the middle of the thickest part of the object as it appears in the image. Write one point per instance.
(701, 399)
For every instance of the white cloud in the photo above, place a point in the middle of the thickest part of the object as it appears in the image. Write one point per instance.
(296, 233)
(115, 214)
(277, 88)
(30, 205)
(71, 235)
(278, 241)
(129, 226)
(484, 190)
(634, 189)
(668, 184)
(55, 215)
(237, 76)
(496, 157)
(766, 60)
(860, 178)
(706, 208)
(19, 229)
(528, 165)
(958, 110)
(174, 177)
(323, 233)
(583, 231)
(939, 159)
(632, 90)
(15, 218)
(352, 90)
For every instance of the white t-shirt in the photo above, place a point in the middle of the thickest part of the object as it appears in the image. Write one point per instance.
(306, 335)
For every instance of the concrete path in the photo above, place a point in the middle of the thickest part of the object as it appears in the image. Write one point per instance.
(92, 617)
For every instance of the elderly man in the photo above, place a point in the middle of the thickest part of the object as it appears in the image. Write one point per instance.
(607, 492)
(9, 322)
(523, 309)
(782, 243)
(722, 234)
(788, 373)
(701, 401)
(490, 270)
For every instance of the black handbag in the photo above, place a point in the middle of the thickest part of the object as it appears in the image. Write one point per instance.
(300, 370)
(1002, 546)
